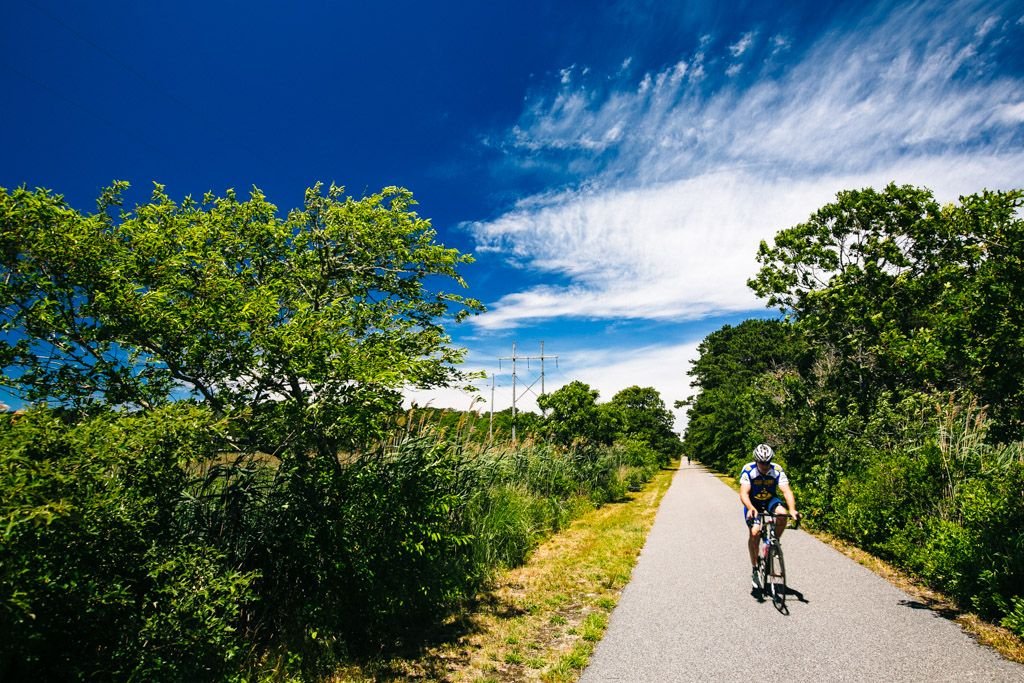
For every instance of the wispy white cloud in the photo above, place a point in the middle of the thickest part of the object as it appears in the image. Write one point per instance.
(682, 250)
(1011, 113)
(677, 73)
(743, 44)
(987, 26)
(780, 43)
(669, 227)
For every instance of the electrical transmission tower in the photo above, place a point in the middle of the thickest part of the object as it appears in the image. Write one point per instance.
(515, 390)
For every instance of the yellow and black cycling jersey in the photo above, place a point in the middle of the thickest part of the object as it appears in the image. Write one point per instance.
(763, 487)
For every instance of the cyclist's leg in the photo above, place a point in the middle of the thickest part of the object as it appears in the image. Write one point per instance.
(753, 537)
(777, 508)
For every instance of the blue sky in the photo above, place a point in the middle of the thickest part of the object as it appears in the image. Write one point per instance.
(612, 166)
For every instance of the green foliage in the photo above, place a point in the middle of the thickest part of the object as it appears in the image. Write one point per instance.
(943, 504)
(574, 415)
(1014, 619)
(133, 546)
(215, 497)
(576, 420)
(203, 533)
(477, 427)
(505, 527)
(641, 414)
(190, 616)
(734, 371)
(327, 311)
(909, 294)
(392, 549)
(98, 579)
(636, 460)
(534, 489)
(903, 318)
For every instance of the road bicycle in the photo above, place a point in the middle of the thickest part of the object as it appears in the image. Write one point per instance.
(771, 566)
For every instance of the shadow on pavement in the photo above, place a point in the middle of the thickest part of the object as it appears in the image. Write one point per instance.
(932, 606)
(791, 592)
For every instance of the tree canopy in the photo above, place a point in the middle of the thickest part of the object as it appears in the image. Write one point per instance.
(641, 413)
(729, 373)
(574, 414)
(635, 413)
(321, 315)
(910, 294)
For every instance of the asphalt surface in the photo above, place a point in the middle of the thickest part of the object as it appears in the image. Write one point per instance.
(688, 613)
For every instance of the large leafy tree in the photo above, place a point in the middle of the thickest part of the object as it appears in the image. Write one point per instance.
(573, 415)
(908, 294)
(979, 315)
(316, 318)
(642, 414)
(852, 276)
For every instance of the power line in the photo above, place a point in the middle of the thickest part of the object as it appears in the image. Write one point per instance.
(515, 393)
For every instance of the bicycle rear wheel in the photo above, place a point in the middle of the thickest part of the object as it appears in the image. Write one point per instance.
(775, 576)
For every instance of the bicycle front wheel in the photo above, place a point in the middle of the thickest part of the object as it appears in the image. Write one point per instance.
(775, 576)
(762, 569)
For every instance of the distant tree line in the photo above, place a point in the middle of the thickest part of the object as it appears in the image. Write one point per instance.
(572, 418)
(893, 387)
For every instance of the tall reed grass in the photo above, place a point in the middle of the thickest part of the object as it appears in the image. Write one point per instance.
(937, 497)
(137, 547)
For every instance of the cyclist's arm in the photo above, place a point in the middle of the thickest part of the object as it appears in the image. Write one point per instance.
(787, 493)
(745, 498)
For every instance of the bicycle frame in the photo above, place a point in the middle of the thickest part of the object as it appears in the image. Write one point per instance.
(770, 564)
(767, 535)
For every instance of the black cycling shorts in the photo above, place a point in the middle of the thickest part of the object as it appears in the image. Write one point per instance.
(769, 506)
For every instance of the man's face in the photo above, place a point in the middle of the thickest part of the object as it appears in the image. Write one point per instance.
(763, 467)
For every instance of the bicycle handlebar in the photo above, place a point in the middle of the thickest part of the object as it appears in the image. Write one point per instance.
(796, 520)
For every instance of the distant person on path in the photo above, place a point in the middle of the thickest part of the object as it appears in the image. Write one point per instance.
(760, 483)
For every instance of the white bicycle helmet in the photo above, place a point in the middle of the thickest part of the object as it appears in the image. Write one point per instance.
(763, 453)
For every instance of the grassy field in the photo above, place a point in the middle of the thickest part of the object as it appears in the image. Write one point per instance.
(541, 621)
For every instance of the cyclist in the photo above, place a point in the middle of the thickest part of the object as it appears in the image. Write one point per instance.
(760, 483)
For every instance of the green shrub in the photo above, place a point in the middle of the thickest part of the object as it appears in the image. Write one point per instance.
(364, 554)
(190, 615)
(133, 545)
(98, 580)
(1014, 619)
(922, 488)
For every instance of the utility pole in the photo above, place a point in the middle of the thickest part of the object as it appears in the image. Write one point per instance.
(490, 425)
(515, 392)
(542, 369)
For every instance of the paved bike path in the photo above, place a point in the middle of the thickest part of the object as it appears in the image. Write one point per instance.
(688, 613)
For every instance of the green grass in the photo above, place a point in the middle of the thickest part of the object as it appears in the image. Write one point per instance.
(558, 603)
